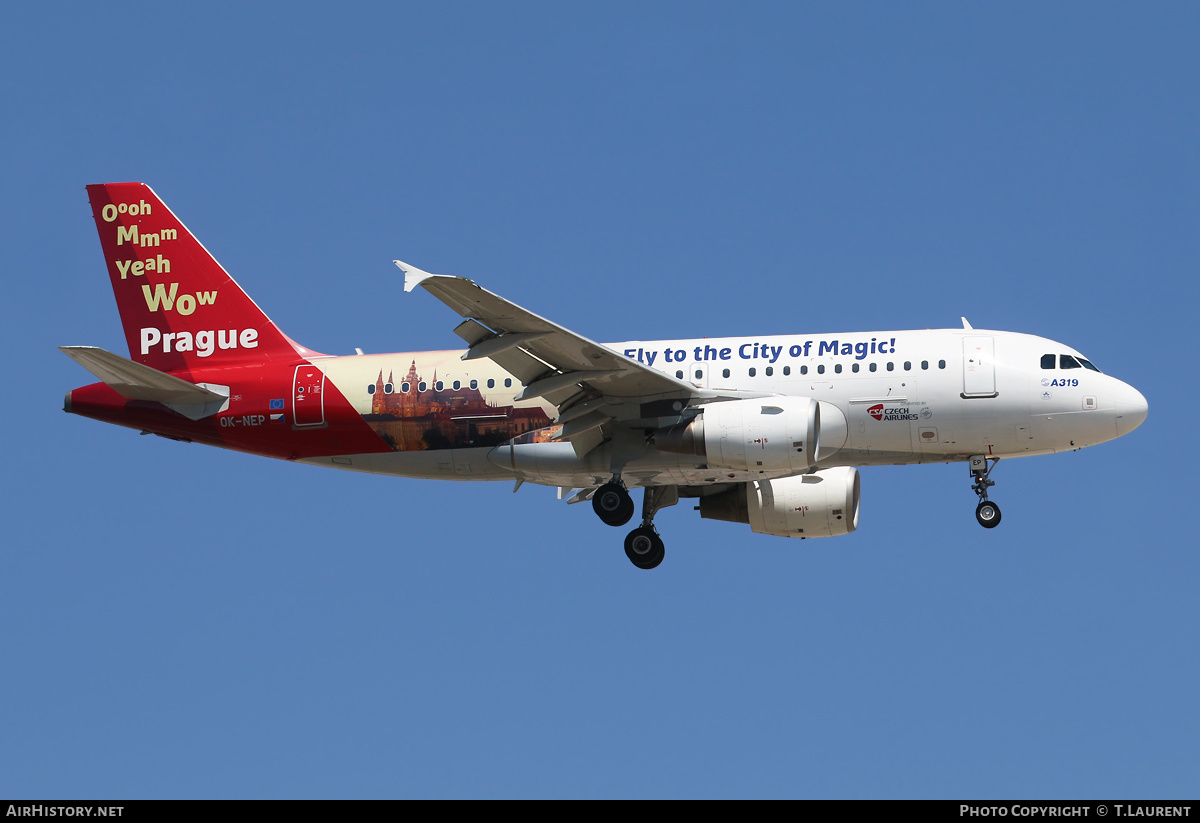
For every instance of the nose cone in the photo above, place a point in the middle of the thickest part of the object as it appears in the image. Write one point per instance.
(1132, 409)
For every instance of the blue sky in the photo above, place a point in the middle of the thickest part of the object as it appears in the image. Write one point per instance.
(185, 622)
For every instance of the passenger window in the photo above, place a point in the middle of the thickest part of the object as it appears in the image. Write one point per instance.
(491, 383)
(679, 374)
(770, 371)
(387, 388)
(753, 372)
(804, 369)
(474, 384)
(838, 368)
(724, 373)
(508, 382)
(941, 364)
(1047, 361)
(908, 365)
(924, 365)
(873, 367)
(787, 370)
(404, 387)
(891, 366)
(457, 385)
(699, 374)
(439, 385)
(371, 388)
(422, 386)
(821, 369)
(1066, 361)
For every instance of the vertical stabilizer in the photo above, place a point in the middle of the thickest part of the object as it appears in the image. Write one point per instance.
(180, 308)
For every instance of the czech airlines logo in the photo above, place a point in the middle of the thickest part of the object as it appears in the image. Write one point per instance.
(879, 412)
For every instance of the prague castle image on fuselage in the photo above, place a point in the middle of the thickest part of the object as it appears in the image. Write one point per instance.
(414, 415)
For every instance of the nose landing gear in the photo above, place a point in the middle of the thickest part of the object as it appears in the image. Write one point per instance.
(987, 512)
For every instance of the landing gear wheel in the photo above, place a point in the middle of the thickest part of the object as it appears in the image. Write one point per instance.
(988, 514)
(613, 504)
(644, 547)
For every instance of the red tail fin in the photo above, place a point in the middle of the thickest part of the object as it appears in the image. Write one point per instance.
(180, 309)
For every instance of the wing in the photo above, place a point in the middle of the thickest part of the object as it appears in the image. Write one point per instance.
(590, 384)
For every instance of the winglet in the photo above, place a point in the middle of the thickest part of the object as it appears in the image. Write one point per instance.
(967, 325)
(412, 275)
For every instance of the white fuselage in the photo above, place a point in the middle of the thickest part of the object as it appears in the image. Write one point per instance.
(886, 398)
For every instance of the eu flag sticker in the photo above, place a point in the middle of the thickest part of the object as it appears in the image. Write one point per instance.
(277, 404)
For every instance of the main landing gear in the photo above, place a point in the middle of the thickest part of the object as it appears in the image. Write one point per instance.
(987, 512)
(614, 506)
(644, 547)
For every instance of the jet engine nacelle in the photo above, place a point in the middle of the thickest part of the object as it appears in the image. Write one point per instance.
(773, 434)
(821, 504)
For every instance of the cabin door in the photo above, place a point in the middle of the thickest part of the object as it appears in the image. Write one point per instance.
(979, 367)
(308, 396)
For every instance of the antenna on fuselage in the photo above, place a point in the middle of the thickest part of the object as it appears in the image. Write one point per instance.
(967, 325)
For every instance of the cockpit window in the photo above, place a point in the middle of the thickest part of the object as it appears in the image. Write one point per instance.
(1066, 361)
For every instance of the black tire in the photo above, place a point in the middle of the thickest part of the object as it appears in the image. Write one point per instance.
(644, 547)
(988, 514)
(613, 504)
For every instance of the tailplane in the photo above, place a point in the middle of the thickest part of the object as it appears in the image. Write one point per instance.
(179, 307)
(134, 381)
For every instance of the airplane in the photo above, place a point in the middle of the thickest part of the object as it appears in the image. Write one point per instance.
(768, 431)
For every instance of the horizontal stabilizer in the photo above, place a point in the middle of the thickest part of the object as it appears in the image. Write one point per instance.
(135, 381)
